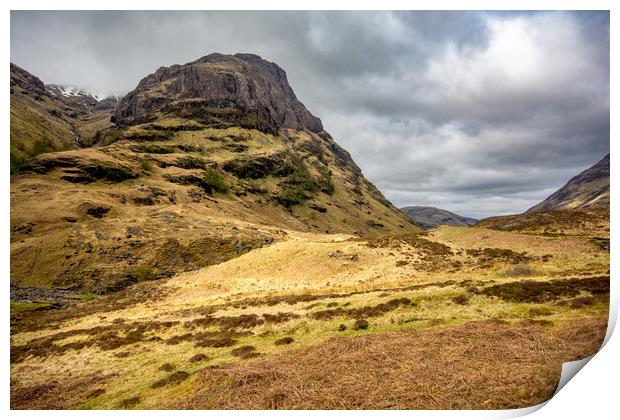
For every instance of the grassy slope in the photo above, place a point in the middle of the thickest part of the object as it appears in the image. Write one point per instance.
(55, 241)
(88, 126)
(442, 282)
(589, 189)
(35, 131)
(591, 222)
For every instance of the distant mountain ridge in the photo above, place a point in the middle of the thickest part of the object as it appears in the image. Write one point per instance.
(68, 91)
(49, 118)
(430, 217)
(589, 189)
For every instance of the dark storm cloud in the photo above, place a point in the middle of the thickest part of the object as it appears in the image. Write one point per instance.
(480, 113)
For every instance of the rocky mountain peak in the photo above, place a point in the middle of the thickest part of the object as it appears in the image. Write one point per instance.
(220, 90)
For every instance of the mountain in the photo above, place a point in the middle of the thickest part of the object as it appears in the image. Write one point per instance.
(76, 92)
(589, 189)
(48, 118)
(205, 161)
(260, 270)
(431, 217)
(220, 90)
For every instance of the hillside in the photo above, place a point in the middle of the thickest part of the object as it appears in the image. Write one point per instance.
(431, 217)
(588, 222)
(43, 119)
(589, 189)
(215, 248)
(207, 161)
(328, 321)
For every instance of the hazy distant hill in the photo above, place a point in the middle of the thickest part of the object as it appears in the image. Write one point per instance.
(430, 217)
(589, 189)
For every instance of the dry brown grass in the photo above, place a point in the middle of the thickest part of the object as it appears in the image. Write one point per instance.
(172, 379)
(57, 394)
(283, 341)
(145, 198)
(591, 222)
(542, 291)
(256, 300)
(485, 365)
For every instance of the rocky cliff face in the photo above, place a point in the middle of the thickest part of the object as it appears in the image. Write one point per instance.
(220, 90)
(25, 81)
(589, 189)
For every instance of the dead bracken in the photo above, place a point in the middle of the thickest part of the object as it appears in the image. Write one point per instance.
(506, 364)
(461, 299)
(245, 352)
(166, 367)
(488, 256)
(216, 342)
(364, 311)
(173, 379)
(360, 324)
(200, 357)
(129, 402)
(544, 291)
(283, 341)
(245, 321)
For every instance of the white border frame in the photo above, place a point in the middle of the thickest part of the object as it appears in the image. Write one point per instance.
(592, 394)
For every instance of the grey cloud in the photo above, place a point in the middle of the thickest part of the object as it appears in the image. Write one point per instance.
(480, 113)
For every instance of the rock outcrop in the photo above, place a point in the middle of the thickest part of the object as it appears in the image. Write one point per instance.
(26, 81)
(220, 90)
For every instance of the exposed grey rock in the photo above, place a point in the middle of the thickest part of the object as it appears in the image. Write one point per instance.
(241, 90)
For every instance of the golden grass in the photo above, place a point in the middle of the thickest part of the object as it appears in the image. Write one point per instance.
(139, 370)
(286, 289)
(49, 250)
(484, 365)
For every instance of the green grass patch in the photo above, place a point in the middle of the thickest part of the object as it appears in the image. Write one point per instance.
(27, 306)
(215, 180)
(146, 166)
(88, 297)
(145, 272)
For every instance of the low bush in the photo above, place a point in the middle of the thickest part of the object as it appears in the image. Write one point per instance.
(518, 270)
(360, 324)
(215, 181)
(145, 272)
(146, 166)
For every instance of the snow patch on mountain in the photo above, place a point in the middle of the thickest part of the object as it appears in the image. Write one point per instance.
(68, 91)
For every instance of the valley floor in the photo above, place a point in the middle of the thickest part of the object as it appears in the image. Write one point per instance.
(452, 318)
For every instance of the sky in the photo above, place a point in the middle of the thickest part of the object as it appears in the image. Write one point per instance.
(479, 113)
